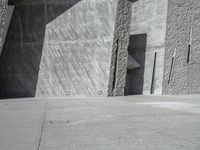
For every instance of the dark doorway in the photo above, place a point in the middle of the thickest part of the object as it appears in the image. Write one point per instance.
(135, 76)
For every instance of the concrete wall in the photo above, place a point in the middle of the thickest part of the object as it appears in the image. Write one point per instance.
(58, 48)
(80, 47)
(3, 7)
(183, 29)
(77, 51)
(149, 17)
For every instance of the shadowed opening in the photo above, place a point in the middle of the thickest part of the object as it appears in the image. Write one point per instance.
(135, 75)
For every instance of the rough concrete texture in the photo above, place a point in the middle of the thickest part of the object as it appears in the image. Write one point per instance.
(58, 48)
(182, 30)
(119, 56)
(149, 17)
(124, 123)
(77, 51)
(3, 7)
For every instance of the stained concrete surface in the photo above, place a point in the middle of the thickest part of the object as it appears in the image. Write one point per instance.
(139, 122)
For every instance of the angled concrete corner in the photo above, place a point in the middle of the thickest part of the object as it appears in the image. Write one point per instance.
(120, 49)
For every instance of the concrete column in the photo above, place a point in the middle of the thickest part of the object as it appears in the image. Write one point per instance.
(119, 58)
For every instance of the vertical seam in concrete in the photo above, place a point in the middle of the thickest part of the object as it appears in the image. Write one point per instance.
(153, 74)
(171, 67)
(115, 67)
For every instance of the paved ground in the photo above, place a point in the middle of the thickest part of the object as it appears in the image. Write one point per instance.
(124, 123)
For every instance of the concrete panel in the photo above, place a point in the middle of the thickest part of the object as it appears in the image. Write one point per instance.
(77, 50)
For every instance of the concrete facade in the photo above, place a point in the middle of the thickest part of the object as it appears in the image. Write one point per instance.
(182, 65)
(148, 19)
(81, 48)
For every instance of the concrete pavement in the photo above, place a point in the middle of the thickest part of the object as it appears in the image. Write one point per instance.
(122, 123)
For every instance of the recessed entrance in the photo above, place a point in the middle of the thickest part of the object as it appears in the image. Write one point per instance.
(136, 64)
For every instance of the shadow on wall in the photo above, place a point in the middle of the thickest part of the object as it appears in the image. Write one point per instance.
(135, 77)
(21, 55)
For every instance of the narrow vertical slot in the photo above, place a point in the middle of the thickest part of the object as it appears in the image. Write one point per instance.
(153, 75)
(115, 66)
(188, 55)
(170, 73)
(190, 41)
(171, 67)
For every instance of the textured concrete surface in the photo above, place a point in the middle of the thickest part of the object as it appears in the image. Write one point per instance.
(148, 17)
(77, 51)
(62, 44)
(3, 7)
(138, 122)
(119, 58)
(182, 75)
